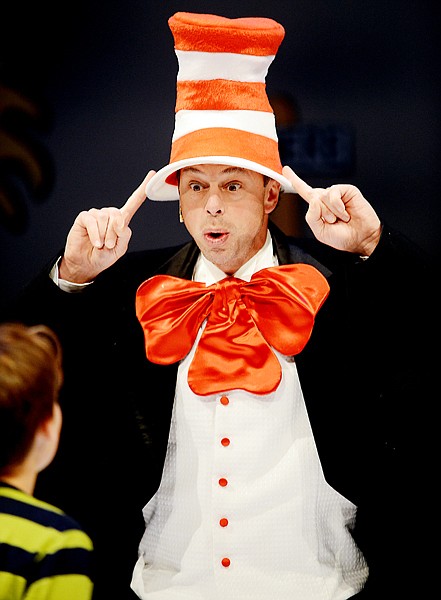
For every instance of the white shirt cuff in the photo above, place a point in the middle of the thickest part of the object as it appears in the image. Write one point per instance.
(63, 284)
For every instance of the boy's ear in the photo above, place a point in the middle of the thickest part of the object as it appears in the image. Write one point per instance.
(47, 437)
(51, 426)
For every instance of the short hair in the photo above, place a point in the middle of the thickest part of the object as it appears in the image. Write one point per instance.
(31, 377)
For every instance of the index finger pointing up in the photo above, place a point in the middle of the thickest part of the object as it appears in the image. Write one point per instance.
(300, 186)
(136, 199)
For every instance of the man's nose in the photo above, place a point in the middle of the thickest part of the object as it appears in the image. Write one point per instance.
(214, 204)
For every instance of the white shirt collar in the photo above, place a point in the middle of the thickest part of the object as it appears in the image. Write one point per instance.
(206, 272)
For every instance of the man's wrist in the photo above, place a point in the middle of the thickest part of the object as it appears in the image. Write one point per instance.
(63, 284)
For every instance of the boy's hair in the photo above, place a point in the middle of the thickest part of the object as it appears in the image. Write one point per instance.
(31, 376)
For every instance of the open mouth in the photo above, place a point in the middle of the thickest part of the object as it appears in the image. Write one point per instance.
(215, 236)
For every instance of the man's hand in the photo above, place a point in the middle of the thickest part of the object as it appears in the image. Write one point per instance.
(99, 237)
(339, 216)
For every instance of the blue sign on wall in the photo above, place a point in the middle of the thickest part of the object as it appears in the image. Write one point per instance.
(318, 150)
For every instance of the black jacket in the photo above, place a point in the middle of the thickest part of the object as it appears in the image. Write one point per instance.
(365, 375)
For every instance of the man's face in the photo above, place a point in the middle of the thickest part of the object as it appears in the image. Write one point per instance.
(225, 210)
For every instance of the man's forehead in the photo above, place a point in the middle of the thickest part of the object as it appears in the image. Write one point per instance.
(218, 170)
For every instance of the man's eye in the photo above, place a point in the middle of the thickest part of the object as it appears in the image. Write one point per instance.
(233, 187)
(196, 187)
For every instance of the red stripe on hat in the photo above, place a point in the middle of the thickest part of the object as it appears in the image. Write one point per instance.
(221, 141)
(220, 94)
(258, 36)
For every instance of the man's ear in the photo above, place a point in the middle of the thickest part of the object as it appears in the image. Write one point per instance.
(272, 195)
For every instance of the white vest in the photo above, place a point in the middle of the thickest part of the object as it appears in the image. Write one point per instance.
(243, 511)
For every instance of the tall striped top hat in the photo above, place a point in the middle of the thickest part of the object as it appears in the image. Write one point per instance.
(223, 115)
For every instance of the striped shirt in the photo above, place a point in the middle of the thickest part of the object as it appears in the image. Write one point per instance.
(44, 553)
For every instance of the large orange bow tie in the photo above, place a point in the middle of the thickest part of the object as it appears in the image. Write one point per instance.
(244, 319)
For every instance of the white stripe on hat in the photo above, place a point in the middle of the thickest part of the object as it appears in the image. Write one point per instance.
(253, 121)
(204, 66)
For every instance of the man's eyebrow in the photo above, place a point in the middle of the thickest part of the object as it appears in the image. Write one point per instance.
(190, 170)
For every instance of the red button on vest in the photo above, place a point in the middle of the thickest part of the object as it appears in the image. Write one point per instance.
(224, 400)
(223, 482)
(225, 442)
(226, 562)
(223, 522)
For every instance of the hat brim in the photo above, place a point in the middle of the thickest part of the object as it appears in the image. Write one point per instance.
(158, 188)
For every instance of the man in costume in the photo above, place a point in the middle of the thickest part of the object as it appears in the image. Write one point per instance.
(268, 377)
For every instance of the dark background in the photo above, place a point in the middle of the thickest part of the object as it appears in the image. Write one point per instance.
(87, 108)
